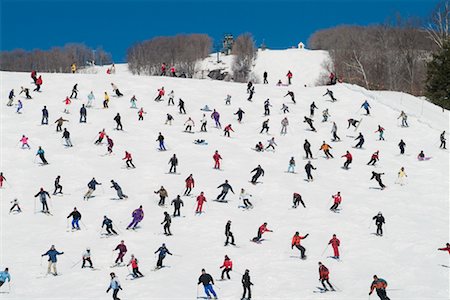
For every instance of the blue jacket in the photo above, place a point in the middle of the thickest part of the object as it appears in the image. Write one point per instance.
(40, 151)
(163, 251)
(115, 284)
(4, 275)
(52, 255)
(92, 184)
(365, 104)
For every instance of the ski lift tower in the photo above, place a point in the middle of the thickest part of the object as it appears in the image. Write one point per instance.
(227, 43)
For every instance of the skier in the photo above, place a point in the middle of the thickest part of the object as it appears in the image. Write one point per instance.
(134, 265)
(4, 275)
(337, 199)
(217, 159)
(249, 86)
(258, 172)
(265, 126)
(349, 158)
(442, 139)
(267, 106)
(291, 94)
(323, 276)
(181, 106)
(374, 158)
(284, 125)
(52, 259)
(41, 153)
(66, 136)
(163, 69)
(379, 285)
(117, 118)
(19, 106)
(330, 93)
(216, 117)
(189, 124)
(379, 221)
(122, 251)
(26, 91)
(325, 115)
(138, 216)
(308, 168)
(326, 149)
(227, 267)
(404, 119)
(161, 93)
(402, 145)
(246, 283)
(334, 132)
(171, 97)
(91, 98)
(172, 71)
(265, 77)
(377, 177)
(76, 217)
(74, 92)
(360, 139)
(118, 189)
(366, 106)
(109, 225)
(252, 91)
(24, 141)
(229, 234)
(101, 135)
(160, 139)
(380, 130)
(83, 113)
(106, 100)
(116, 90)
(296, 243)
(87, 258)
(285, 108)
(271, 144)
(141, 114)
(335, 243)
(91, 185)
(177, 203)
(446, 248)
(162, 254)
(204, 121)
(34, 75)
(44, 120)
(190, 183)
(59, 124)
(208, 283)
(128, 159)
(401, 176)
(352, 122)
(289, 76)
(244, 196)
(226, 131)
(167, 220)
(15, 203)
(225, 188)
(291, 165)
(173, 161)
(296, 199)
(311, 109)
(11, 98)
(114, 285)
(162, 195)
(200, 200)
(307, 148)
(310, 123)
(263, 228)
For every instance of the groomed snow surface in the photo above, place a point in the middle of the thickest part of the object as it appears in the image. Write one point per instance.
(417, 213)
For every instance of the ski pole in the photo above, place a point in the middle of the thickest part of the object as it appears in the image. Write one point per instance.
(41, 262)
(82, 223)
(325, 249)
(67, 223)
(76, 263)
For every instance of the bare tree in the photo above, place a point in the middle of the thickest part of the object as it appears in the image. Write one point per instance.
(439, 24)
(244, 52)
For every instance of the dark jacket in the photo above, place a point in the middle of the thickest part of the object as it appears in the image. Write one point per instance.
(75, 214)
(205, 279)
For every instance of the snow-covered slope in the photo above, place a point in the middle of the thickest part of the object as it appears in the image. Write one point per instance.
(417, 219)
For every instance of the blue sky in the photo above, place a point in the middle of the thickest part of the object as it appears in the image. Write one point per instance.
(115, 25)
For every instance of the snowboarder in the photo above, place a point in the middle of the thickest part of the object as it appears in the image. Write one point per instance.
(160, 139)
(249, 86)
(402, 145)
(116, 90)
(311, 109)
(307, 148)
(377, 177)
(4, 275)
(86, 257)
(349, 158)
(251, 92)
(91, 98)
(118, 189)
(335, 243)
(380, 286)
(366, 106)
(229, 234)
(297, 199)
(41, 153)
(404, 119)
(380, 131)
(360, 139)
(134, 266)
(226, 131)
(401, 176)
(161, 93)
(265, 126)
(189, 124)
(379, 221)
(442, 139)
(291, 94)
(162, 195)
(26, 91)
(190, 183)
(181, 106)
(106, 100)
(204, 121)
(167, 220)
(162, 254)
(325, 115)
(352, 122)
(122, 251)
(59, 124)
(83, 113)
(271, 144)
(138, 216)
(334, 132)
(117, 118)
(244, 196)
(91, 185)
(24, 141)
(265, 77)
(326, 150)
(263, 228)
(310, 123)
(171, 97)
(296, 243)
(337, 199)
(284, 108)
(133, 101)
(52, 259)
(208, 283)
(284, 125)
(44, 120)
(225, 188)
(374, 158)
(267, 106)
(227, 267)
(109, 225)
(330, 93)
(291, 167)
(177, 203)
(66, 136)
(308, 168)
(15, 203)
(128, 160)
(324, 276)
(200, 200)
(258, 172)
(173, 161)
(217, 159)
(114, 285)
(74, 92)
(141, 113)
(246, 284)
(76, 217)
(101, 135)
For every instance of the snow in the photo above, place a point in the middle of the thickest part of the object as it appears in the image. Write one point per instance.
(417, 214)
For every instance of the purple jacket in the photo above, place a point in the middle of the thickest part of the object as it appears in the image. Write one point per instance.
(215, 115)
(138, 214)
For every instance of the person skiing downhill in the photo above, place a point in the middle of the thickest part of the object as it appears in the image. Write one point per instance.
(141, 113)
(135, 267)
(337, 199)
(297, 199)
(261, 230)
(227, 267)
(26, 91)
(167, 221)
(265, 126)
(226, 131)
(91, 98)
(258, 172)
(116, 90)
(377, 177)
(118, 189)
(118, 118)
(267, 106)
(284, 125)
(216, 117)
(162, 254)
(171, 96)
(271, 144)
(360, 139)
(161, 93)
(59, 124)
(307, 148)
(24, 141)
(348, 161)
(289, 76)
(101, 135)
(225, 188)
(251, 93)
(4, 275)
(128, 160)
(74, 92)
(334, 132)
(379, 221)
(41, 154)
(200, 200)
(310, 123)
(442, 139)
(291, 94)
(177, 203)
(352, 122)
(264, 82)
(114, 285)
(67, 102)
(162, 195)
(217, 159)
(86, 257)
(296, 243)
(324, 276)
(109, 225)
(11, 98)
(133, 101)
(404, 119)
(19, 106)
(446, 248)
(284, 108)
(43, 198)
(335, 243)
(208, 283)
(182, 110)
(66, 136)
(244, 196)
(366, 106)
(138, 216)
(374, 158)
(160, 139)
(76, 217)
(122, 251)
(229, 234)
(380, 285)
(246, 284)
(189, 124)
(380, 130)
(173, 161)
(308, 168)
(291, 166)
(52, 259)
(106, 100)
(91, 185)
(190, 184)
(203, 121)
(330, 93)
(326, 150)
(312, 107)
(325, 115)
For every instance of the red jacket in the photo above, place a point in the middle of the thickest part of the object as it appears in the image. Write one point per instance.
(33, 74)
(201, 199)
(227, 264)
(323, 272)
(289, 74)
(337, 200)
(348, 156)
(39, 80)
(127, 156)
(263, 229)
(161, 92)
(190, 182)
(375, 156)
(445, 249)
(102, 134)
(228, 128)
(163, 67)
(217, 156)
(334, 242)
(67, 101)
(296, 240)
(134, 263)
(141, 112)
(172, 70)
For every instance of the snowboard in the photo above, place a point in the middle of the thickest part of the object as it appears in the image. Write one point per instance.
(221, 201)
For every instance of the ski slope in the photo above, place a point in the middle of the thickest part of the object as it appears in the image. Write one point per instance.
(417, 213)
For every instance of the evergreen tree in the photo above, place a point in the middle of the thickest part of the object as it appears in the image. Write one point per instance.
(438, 77)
